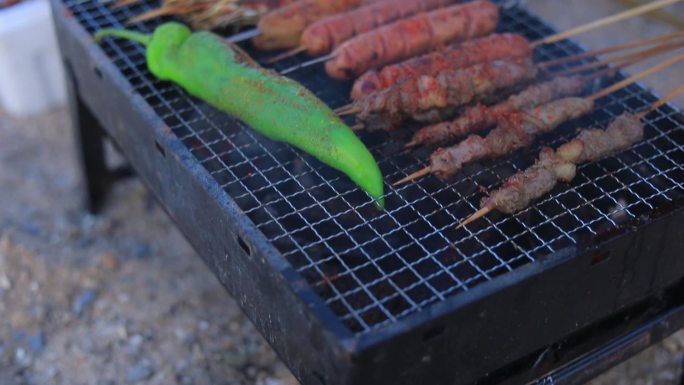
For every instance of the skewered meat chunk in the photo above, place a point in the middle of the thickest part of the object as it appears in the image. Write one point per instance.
(410, 37)
(521, 189)
(507, 46)
(515, 131)
(452, 88)
(621, 134)
(480, 117)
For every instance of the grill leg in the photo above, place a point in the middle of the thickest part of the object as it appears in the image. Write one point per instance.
(89, 136)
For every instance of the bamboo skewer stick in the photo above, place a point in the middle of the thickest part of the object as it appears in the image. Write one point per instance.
(286, 54)
(616, 48)
(615, 87)
(655, 50)
(606, 21)
(636, 77)
(662, 101)
(486, 210)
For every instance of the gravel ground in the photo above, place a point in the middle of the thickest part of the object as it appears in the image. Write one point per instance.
(121, 298)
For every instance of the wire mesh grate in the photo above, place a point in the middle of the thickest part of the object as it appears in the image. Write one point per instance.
(374, 268)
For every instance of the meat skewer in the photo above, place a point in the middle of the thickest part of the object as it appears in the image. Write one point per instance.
(406, 38)
(480, 116)
(506, 46)
(518, 130)
(427, 98)
(347, 66)
(590, 145)
(387, 109)
(324, 35)
(413, 36)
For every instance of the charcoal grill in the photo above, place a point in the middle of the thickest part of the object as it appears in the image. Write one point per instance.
(345, 294)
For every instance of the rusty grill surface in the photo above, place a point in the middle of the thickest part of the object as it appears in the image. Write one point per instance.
(374, 268)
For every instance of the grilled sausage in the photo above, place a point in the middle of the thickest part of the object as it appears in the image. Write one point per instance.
(410, 37)
(507, 46)
(324, 35)
(283, 27)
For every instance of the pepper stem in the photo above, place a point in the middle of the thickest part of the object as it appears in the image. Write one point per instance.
(125, 34)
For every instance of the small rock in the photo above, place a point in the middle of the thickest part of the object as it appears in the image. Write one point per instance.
(36, 342)
(139, 372)
(31, 229)
(186, 380)
(671, 345)
(22, 358)
(272, 381)
(235, 359)
(5, 283)
(109, 262)
(83, 301)
(19, 337)
(251, 371)
(203, 325)
(134, 345)
(141, 250)
(85, 242)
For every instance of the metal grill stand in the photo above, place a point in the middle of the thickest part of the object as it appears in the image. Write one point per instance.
(347, 295)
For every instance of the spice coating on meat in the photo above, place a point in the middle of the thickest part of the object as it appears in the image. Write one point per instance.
(451, 88)
(515, 131)
(480, 117)
(324, 35)
(410, 37)
(507, 46)
(522, 188)
(283, 27)
(622, 133)
(590, 145)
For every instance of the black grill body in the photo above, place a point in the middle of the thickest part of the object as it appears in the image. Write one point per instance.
(348, 295)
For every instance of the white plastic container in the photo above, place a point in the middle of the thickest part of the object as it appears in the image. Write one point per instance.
(31, 73)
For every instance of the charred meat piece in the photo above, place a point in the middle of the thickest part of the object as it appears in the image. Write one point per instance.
(451, 88)
(591, 145)
(515, 131)
(480, 117)
(410, 37)
(507, 46)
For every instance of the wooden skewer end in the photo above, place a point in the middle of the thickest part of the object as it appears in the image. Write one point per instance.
(479, 214)
(415, 175)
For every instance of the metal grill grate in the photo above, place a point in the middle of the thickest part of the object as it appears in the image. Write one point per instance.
(374, 268)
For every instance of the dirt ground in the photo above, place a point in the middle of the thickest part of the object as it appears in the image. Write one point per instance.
(121, 298)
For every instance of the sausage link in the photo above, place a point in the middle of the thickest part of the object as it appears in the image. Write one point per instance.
(283, 27)
(324, 35)
(507, 46)
(410, 37)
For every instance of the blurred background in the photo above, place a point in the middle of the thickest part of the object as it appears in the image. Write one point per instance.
(121, 298)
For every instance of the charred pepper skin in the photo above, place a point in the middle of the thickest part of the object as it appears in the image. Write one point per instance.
(281, 109)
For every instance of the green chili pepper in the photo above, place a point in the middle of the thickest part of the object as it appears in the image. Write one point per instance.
(209, 68)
